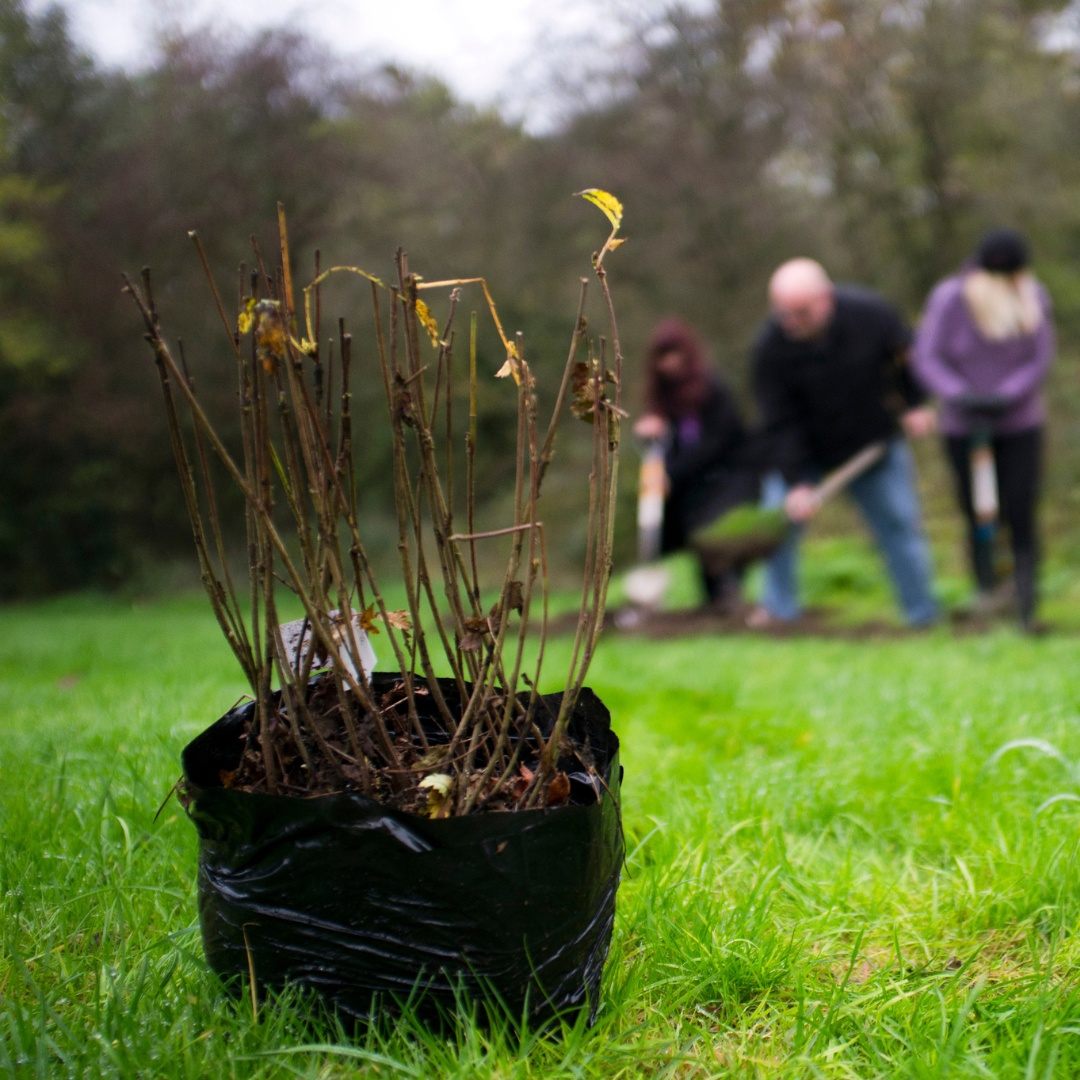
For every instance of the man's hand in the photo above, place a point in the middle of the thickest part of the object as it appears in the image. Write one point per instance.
(801, 503)
(651, 426)
(920, 422)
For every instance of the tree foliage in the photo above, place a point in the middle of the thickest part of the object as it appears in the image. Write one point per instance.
(880, 136)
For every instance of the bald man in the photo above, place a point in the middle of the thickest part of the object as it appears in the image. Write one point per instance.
(831, 376)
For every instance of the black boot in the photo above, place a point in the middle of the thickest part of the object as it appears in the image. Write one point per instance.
(1026, 591)
(724, 591)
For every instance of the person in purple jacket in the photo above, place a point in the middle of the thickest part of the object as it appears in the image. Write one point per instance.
(984, 348)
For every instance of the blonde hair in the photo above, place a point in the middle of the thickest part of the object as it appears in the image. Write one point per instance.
(1003, 306)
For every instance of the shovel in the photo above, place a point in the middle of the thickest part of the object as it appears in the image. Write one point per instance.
(982, 410)
(748, 533)
(647, 583)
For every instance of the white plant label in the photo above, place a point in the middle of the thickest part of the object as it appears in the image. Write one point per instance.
(297, 641)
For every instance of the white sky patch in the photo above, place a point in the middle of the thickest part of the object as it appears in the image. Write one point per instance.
(509, 53)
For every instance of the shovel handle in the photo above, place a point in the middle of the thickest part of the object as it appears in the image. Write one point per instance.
(855, 466)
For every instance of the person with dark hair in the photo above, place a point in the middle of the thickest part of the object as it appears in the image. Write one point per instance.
(831, 378)
(984, 348)
(708, 455)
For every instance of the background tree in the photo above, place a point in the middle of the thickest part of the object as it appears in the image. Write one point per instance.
(881, 136)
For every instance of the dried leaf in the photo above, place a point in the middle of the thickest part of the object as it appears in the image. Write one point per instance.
(558, 789)
(522, 782)
(228, 778)
(427, 321)
(583, 390)
(515, 596)
(406, 412)
(398, 619)
(476, 627)
(612, 208)
(270, 335)
(514, 601)
(582, 399)
(367, 620)
(512, 365)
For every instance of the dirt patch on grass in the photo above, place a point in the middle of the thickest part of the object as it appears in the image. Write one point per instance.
(689, 622)
(817, 622)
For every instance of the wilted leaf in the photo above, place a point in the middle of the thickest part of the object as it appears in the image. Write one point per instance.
(270, 335)
(522, 782)
(404, 402)
(227, 778)
(427, 321)
(514, 600)
(515, 596)
(437, 788)
(558, 789)
(246, 318)
(583, 390)
(582, 399)
(512, 365)
(398, 619)
(435, 756)
(367, 620)
(607, 202)
(475, 629)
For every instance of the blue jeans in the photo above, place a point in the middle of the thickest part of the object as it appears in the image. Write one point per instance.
(887, 497)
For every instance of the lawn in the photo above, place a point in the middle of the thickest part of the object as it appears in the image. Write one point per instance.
(841, 863)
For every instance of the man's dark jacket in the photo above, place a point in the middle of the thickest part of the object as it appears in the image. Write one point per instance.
(824, 399)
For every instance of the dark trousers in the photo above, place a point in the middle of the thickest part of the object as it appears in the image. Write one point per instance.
(1018, 463)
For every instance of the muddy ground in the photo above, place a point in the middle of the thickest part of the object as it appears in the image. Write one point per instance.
(820, 622)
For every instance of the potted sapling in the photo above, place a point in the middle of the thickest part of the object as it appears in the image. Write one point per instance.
(428, 826)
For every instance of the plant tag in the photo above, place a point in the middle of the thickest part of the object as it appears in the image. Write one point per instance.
(297, 641)
(984, 491)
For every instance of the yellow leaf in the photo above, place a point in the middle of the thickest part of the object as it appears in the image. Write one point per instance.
(427, 321)
(437, 788)
(618, 242)
(607, 202)
(246, 319)
(367, 620)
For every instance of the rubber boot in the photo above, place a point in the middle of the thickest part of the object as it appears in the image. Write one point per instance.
(982, 562)
(724, 591)
(1026, 590)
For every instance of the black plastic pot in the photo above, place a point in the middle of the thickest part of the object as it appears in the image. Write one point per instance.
(373, 908)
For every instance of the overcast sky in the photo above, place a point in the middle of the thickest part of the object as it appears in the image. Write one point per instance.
(488, 51)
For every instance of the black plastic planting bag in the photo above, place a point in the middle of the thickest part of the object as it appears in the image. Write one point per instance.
(373, 908)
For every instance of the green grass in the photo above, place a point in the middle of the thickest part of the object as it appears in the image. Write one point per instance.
(830, 872)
